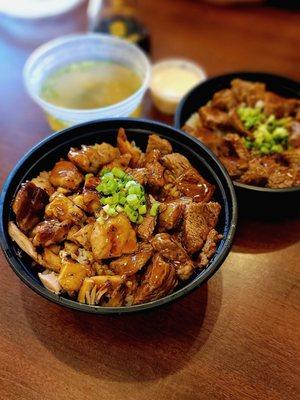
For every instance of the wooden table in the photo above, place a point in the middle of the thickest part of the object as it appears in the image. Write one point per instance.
(236, 337)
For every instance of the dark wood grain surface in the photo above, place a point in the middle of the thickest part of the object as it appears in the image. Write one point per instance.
(236, 337)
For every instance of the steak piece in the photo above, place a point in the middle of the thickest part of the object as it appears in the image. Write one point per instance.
(280, 106)
(171, 250)
(171, 213)
(130, 264)
(294, 138)
(158, 281)
(213, 118)
(209, 247)
(199, 219)
(224, 100)
(29, 205)
(157, 143)
(185, 179)
(258, 172)
(146, 228)
(248, 92)
(235, 156)
(282, 177)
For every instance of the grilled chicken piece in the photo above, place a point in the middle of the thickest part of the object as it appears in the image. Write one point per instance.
(158, 143)
(43, 181)
(63, 209)
(112, 237)
(159, 280)
(94, 288)
(171, 213)
(171, 250)
(121, 162)
(90, 195)
(49, 232)
(280, 106)
(83, 236)
(126, 147)
(185, 179)
(224, 100)
(130, 264)
(199, 219)
(213, 118)
(146, 228)
(50, 280)
(248, 92)
(92, 158)
(29, 205)
(66, 175)
(22, 241)
(51, 260)
(209, 247)
(71, 275)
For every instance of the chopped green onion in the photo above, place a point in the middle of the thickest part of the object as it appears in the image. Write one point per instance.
(154, 209)
(120, 193)
(118, 172)
(142, 209)
(110, 210)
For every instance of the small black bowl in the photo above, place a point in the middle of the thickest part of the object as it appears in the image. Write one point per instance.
(44, 155)
(252, 199)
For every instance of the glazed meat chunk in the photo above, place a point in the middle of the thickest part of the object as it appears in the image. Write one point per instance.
(159, 280)
(146, 228)
(49, 232)
(130, 264)
(92, 158)
(280, 106)
(209, 247)
(171, 213)
(157, 143)
(63, 209)
(65, 175)
(186, 179)
(126, 147)
(248, 92)
(199, 219)
(29, 205)
(171, 250)
(213, 118)
(112, 237)
(224, 100)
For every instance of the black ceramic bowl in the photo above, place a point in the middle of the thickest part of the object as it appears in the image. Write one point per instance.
(260, 198)
(44, 155)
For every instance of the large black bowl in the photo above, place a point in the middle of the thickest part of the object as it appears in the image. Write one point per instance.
(259, 198)
(44, 155)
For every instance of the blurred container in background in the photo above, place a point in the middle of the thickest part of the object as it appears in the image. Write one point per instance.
(36, 21)
(119, 18)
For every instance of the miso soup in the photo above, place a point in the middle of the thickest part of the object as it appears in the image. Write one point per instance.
(90, 84)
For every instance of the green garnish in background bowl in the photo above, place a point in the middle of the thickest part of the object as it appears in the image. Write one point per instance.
(270, 135)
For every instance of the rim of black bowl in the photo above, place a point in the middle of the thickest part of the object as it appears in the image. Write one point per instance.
(115, 123)
(287, 83)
